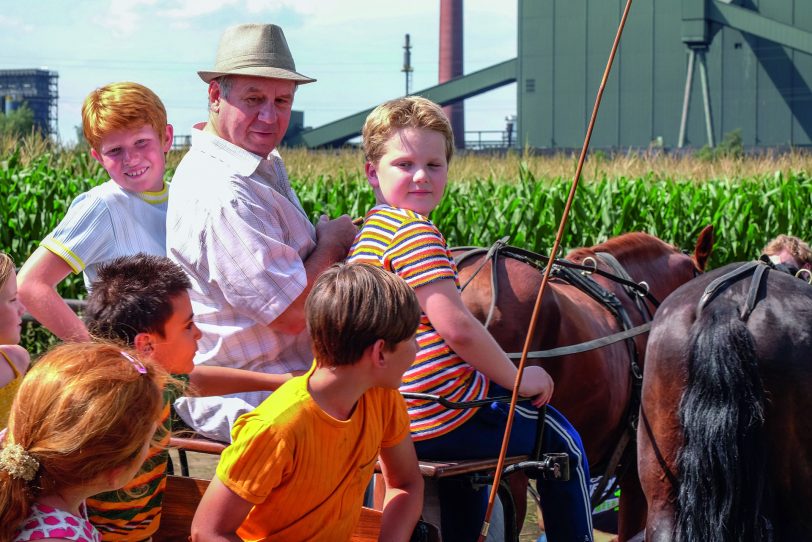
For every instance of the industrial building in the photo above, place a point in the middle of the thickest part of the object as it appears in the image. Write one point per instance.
(687, 73)
(38, 89)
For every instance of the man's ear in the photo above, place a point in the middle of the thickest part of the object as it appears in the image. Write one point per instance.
(143, 343)
(214, 96)
(372, 174)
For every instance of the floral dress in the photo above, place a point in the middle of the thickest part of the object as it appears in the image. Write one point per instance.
(47, 522)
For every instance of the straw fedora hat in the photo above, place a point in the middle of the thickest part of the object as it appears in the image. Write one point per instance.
(254, 49)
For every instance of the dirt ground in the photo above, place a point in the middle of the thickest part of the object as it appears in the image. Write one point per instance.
(203, 466)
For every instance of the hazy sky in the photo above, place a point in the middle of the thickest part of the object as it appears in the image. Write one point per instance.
(353, 47)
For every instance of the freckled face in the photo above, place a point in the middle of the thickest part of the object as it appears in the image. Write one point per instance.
(135, 159)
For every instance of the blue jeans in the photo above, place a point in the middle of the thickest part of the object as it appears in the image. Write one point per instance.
(564, 505)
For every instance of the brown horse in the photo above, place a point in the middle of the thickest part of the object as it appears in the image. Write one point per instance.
(594, 388)
(724, 439)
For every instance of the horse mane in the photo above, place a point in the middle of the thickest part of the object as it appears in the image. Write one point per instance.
(636, 243)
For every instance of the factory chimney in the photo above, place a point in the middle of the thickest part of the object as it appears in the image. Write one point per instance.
(451, 61)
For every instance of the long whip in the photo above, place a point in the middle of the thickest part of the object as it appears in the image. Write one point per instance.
(545, 278)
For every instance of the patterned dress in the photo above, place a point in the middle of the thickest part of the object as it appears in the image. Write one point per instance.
(47, 522)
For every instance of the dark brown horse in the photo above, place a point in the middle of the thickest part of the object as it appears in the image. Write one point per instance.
(725, 437)
(593, 389)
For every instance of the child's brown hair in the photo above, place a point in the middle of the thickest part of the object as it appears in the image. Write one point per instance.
(121, 106)
(82, 410)
(408, 112)
(353, 305)
(132, 295)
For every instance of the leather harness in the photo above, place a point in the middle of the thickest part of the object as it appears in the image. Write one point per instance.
(579, 276)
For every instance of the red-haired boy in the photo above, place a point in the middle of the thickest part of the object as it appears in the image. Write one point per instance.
(125, 125)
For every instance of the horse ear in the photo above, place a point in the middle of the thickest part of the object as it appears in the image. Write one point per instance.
(704, 247)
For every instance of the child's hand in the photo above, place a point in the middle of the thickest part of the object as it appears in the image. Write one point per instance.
(538, 384)
(339, 231)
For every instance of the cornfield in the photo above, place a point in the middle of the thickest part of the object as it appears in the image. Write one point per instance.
(748, 199)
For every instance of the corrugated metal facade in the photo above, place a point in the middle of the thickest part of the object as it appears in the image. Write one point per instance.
(756, 86)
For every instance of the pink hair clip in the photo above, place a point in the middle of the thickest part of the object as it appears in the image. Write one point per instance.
(137, 364)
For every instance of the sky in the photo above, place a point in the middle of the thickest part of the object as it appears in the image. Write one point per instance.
(353, 47)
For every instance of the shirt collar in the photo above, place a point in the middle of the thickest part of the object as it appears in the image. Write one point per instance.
(241, 161)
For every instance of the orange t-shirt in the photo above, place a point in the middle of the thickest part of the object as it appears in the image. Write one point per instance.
(305, 471)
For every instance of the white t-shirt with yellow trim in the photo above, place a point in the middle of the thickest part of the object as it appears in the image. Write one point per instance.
(108, 222)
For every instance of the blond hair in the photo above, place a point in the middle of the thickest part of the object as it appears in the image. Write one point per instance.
(353, 305)
(82, 410)
(6, 267)
(408, 112)
(121, 106)
(799, 249)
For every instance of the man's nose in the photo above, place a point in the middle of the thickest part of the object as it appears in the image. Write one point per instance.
(267, 113)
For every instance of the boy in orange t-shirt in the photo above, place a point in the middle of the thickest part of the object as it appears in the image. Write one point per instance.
(299, 463)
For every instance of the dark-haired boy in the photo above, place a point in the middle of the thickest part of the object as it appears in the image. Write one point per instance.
(142, 300)
(298, 464)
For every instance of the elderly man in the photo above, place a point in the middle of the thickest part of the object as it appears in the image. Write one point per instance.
(238, 230)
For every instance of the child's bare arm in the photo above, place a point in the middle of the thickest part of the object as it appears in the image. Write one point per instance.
(37, 290)
(219, 514)
(206, 380)
(403, 501)
(466, 335)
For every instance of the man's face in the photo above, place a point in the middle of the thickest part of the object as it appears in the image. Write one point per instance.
(256, 113)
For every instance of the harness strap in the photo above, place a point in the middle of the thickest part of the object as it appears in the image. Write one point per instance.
(475, 251)
(635, 295)
(752, 296)
(721, 283)
(586, 346)
(599, 495)
(539, 261)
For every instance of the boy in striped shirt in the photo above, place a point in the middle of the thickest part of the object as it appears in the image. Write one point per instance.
(408, 144)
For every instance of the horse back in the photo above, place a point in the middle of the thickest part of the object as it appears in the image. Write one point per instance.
(726, 411)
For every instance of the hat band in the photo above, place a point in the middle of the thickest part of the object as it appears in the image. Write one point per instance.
(256, 61)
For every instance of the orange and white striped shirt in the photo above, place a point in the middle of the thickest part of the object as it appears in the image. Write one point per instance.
(410, 245)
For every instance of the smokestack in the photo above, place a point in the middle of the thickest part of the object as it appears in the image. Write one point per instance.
(451, 61)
